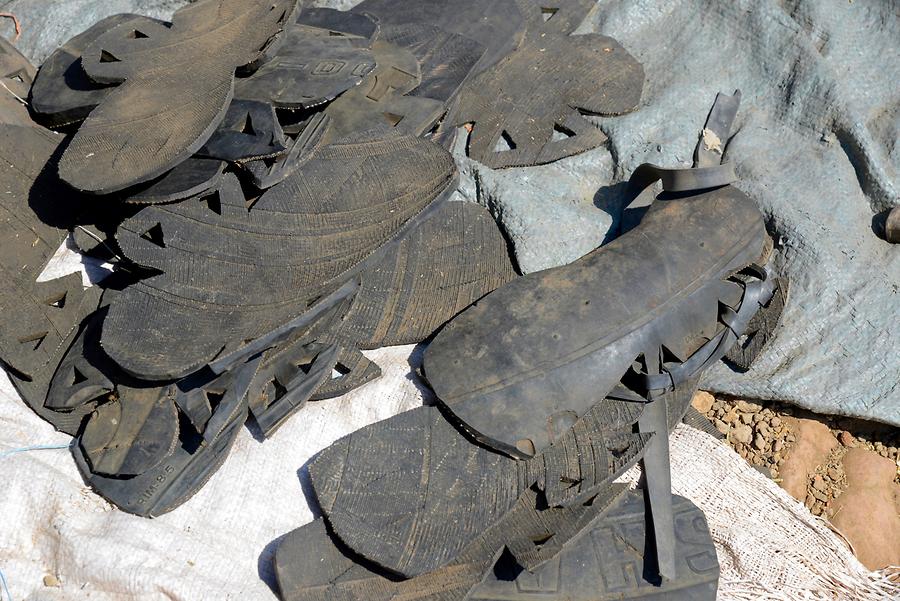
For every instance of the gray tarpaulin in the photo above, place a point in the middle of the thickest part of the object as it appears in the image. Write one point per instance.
(815, 147)
(48, 24)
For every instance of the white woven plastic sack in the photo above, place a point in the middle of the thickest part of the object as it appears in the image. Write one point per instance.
(219, 545)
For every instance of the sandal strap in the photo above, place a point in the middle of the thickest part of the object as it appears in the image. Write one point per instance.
(682, 180)
(757, 293)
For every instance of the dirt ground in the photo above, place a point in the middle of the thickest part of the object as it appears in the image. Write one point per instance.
(844, 470)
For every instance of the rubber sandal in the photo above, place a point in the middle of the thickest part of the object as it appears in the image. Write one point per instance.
(231, 274)
(313, 65)
(334, 572)
(302, 146)
(178, 84)
(522, 116)
(409, 493)
(16, 77)
(611, 560)
(294, 364)
(193, 177)
(147, 447)
(673, 326)
(436, 271)
(664, 330)
(446, 59)
(559, 16)
(761, 329)
(430, 275)
(362, 28)
(379, 104)
(250, 131)
(41, 318)
(497, 27)
(140, 456)
(449, 53)
(62, 93)
(57, 333)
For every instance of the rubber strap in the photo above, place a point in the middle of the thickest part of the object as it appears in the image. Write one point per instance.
(708, 170)
(756, 294)
(719, 122)
(658, 490)
(682, 180)
(275, 337)
(299, 390)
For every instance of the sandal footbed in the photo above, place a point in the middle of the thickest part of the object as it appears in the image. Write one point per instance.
(262, 266)
(193, 177)
(380, 104)
(436, 271)
(313, 565)
(498, 26)
(42, 318)
(177, 85)
(609, 560)
(505, 366)
(311, 68)
(62, 92)
(533, 99)
(409, 493)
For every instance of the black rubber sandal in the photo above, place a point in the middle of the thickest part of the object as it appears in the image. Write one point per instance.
(380, 104)
(313, 65)
(430, 275)
(496, 27)
(235, 268)
(40, 318)
(147, 447)
(333, 572)
(411, 497)
(446, 59)
(193, 177)
(361, 28)
(678, 292)
(673, 326)
(523, 113)
(410, 493)
(613, 559)
(178, 84)
(62, 93)
(559, 16)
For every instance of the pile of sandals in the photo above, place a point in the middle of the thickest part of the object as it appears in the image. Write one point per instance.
(273, 187)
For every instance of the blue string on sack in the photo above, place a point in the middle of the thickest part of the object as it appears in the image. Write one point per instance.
(42, 447)
(4, 455)
(5, 586)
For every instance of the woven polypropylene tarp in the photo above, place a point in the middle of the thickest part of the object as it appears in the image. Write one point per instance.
(219, 545)
(815, 146)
